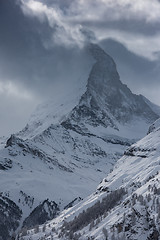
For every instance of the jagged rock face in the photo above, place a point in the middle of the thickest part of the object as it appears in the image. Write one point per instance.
(103, 72)
(8, 224)
(106, 99)
(42, 213)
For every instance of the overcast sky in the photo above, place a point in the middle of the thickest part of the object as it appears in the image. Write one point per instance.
(42, 49)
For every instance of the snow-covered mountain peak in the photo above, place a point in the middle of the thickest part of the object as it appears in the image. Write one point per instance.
(108, 103)
(103, 72)
(97, 98)
(100, 55)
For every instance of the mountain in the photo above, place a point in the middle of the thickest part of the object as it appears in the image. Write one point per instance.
(103, 101)
(125, 204)
(153, 106)
(70, 144)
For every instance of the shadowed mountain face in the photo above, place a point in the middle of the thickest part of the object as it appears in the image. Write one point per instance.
(107, 101)
(70, 144)
(109, 93)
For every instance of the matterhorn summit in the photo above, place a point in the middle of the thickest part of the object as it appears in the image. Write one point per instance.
(69, 145)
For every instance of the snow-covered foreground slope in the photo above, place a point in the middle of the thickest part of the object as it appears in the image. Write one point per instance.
(126, 205)
(67, 170)
(69, 145)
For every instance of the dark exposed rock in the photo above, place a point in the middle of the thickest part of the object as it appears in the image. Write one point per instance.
(72, 203)
(45, 211)
(10, 215)
(11, 141)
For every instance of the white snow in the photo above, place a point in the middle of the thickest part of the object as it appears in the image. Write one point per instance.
(135, 173)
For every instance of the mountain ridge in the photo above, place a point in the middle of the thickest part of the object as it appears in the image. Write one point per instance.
(103, 96)
(124, 206)
(70, 145)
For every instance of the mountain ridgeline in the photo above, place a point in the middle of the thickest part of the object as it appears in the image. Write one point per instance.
(107, 101)
(70, 145)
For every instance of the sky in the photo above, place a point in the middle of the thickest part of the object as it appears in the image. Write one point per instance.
(42, 49)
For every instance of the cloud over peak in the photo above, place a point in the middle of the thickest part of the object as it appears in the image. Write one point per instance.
(64, 31)
(78, 21)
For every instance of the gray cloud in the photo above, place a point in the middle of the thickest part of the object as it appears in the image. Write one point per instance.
(26, 55)
(133, 26)
(134, 23)
(15, 112)
(31, 70)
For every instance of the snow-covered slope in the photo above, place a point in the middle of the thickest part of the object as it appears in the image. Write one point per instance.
(71, 143)
(125, 204)
(153, 106)
(56, 109)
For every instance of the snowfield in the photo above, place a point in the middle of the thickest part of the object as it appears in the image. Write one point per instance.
(136, 215)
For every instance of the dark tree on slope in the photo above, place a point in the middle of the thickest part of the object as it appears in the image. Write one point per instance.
(94, 212)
